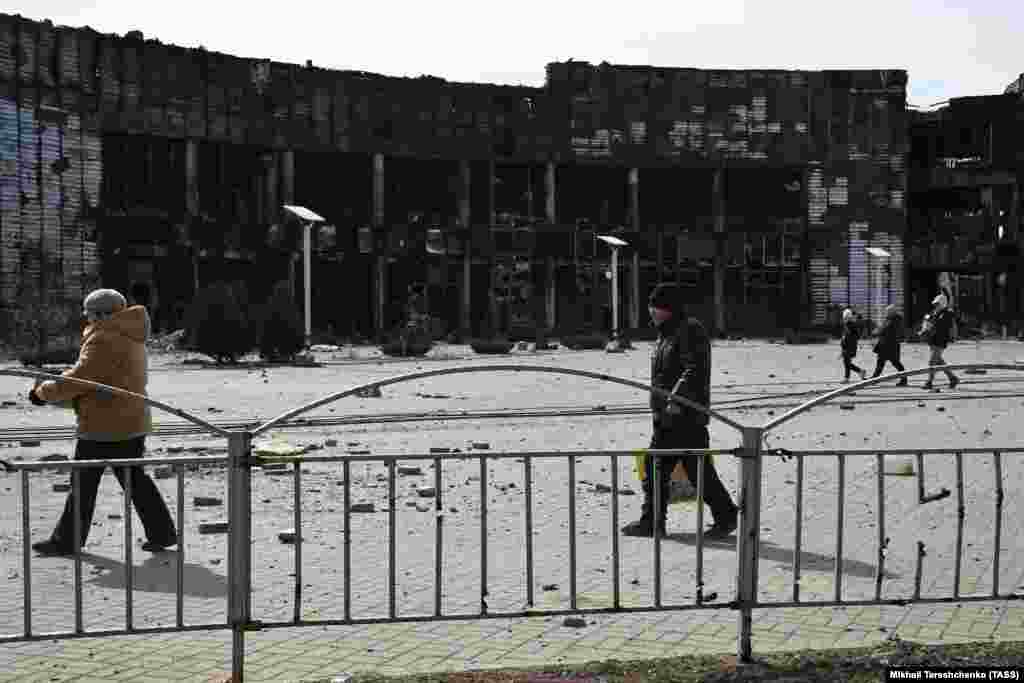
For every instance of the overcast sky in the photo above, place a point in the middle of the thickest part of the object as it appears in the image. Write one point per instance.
(950, 49)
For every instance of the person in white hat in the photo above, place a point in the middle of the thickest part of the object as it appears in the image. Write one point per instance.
(939, 337)
(848, 344)
(110, 427)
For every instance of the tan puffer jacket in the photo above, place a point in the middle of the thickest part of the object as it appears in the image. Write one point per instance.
(114, 353)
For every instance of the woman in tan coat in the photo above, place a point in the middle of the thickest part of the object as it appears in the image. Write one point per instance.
(109, 426)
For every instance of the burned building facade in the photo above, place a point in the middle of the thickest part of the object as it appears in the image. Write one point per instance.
(964, 217)
(774, 197)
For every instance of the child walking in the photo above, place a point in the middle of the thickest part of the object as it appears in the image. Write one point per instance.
(848, 344)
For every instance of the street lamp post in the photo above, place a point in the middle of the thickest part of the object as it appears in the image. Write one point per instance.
(308, 218)
(883, 254)
(615, 243)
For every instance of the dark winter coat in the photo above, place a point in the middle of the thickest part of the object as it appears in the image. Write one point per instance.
(851, 336)
(682, 350)
(942, 328)
(890, 336)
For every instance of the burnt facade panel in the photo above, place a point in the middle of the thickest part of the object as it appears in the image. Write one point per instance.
(801, 152)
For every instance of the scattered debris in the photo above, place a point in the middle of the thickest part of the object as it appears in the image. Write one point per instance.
(549, 587)
(61, 488)
(163, 472)
(574, 622)
(30, 444)
(409, 471)
(206, 501)
(427, 492)
(287, 536)
(213, 527)
(482, 446)
(361, 507)
(331, 443)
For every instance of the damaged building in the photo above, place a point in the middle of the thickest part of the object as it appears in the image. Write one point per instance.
(775, 197)
(965, 173)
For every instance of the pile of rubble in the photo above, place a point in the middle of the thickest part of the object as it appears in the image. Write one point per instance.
(166, 342)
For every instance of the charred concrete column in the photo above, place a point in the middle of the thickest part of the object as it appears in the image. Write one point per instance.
(380, 280)
(493, 310)
(287, 160)
(551, 216)
(634, 225)
(718, 207)
(465, 218)
(192, 202)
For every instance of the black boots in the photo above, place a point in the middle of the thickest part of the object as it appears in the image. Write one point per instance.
(644, 527)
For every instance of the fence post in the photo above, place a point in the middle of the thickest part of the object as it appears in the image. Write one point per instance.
(239, 545)
(748, 538)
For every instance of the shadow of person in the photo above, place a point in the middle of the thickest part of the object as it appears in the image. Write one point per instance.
(773, 553)
(158, 573)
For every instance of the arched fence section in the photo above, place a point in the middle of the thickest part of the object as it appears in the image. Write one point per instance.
(240, 463)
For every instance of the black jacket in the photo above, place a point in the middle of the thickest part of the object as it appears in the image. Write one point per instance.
(851, 335)
(942, 331)
(682, 350)
(890, 336)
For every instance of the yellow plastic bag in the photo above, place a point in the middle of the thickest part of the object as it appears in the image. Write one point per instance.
(640, 467)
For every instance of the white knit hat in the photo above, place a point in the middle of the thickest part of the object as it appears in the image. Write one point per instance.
(104, 301)
(940, 301)
(847, 315)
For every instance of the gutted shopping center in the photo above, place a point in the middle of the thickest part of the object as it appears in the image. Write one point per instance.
(772, 196)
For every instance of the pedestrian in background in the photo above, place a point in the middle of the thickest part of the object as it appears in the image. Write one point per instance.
(109, 426)
(848, 345)
(939, 334)
(680, 364)
(888, 345)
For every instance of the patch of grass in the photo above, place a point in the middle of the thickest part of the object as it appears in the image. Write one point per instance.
(852, 665)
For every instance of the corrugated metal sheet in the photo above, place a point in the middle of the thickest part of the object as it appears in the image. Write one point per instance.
(7, 50)
(821, 295)
(67, 40)
(857, 255)
(26, 33)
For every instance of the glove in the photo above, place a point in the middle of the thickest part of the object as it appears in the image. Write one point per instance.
(34, 398)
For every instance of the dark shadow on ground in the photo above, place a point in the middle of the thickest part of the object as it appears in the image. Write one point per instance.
(158, 574)
(773, 553)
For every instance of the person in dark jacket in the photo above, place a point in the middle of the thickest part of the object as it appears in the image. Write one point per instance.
(848, 344)
(680, 363)
(938, 338)
(888, 345)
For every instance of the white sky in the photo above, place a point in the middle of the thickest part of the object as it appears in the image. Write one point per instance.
(950, 49)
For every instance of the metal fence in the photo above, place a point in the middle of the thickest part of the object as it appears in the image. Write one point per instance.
(240, 462)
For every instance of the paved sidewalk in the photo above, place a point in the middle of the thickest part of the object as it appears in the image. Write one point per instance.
(311, 653)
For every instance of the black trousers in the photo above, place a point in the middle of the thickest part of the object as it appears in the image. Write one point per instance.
(715, 494)
(849, 365)
(146, 497)
(890, 356)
